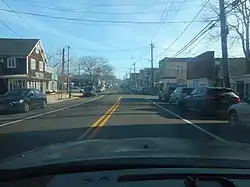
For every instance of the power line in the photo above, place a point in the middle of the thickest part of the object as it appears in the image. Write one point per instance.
(195, 38)
(99, 21)
(11, 9)
(162, 19)
(203, 31)
(184, 29)
(112, 50)
(109, 5)
(10, 29)
(94, 12)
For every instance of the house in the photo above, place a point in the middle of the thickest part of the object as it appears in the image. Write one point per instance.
(145, 77)
(52, 85)
(172, 71)
(23, 64)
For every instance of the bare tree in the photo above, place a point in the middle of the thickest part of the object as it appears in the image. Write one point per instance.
(95, 68)
(238, 21)
(55, 60)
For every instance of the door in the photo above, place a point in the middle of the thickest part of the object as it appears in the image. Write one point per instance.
(39, 98)
(198, 98)
(244, 111)
(189, 99)
(32, 99)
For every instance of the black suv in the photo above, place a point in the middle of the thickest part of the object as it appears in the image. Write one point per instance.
(211, 100)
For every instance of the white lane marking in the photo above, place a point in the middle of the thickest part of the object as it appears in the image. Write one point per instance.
(190, 123)
(49, 112)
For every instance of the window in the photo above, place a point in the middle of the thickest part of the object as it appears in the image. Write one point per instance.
(11, 62)
(40, 66)
(32, 63)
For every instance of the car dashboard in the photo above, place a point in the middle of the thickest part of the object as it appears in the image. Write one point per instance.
(160, 177)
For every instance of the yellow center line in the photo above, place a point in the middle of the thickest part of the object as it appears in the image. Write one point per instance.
(97, 122)
(96, 130)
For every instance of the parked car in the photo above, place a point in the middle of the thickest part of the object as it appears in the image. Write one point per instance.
(165, 94)
(89, 91)
(178, 95)
(145, 91)
(239, 114)
(22, 100)
(76, 90)
(211, 100)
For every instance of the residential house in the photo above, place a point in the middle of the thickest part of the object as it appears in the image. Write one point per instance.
(23, 64)
(172, 71)
(52, 85)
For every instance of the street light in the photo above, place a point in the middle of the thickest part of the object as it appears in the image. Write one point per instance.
(145, 59)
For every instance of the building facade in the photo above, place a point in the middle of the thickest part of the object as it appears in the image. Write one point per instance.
(173, 71)
(23, 64)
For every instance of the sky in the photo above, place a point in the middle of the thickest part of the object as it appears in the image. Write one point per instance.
(118, 30)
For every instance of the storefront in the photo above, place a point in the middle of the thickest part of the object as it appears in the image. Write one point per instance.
(241, 85)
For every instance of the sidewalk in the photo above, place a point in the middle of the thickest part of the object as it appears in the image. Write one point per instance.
(56, 98)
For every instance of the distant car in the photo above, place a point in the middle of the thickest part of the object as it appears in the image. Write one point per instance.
(76, 90)
(178, 95)
(211, 100)
(89, 91)
(239, 114)
(22, 100)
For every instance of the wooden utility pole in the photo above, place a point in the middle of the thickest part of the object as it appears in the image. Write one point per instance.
(224, 33)
(62, 73)
(69, 76)
(152, 64)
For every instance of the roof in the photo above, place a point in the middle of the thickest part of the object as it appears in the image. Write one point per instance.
(167, 59)
(16, 47)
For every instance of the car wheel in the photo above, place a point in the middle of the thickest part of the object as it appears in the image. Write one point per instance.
(233, 119)
(26, 107)
(160, 98)
(44, 104)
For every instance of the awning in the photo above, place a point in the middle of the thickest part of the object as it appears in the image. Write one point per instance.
(16, 76)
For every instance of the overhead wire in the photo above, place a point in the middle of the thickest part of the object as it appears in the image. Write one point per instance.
(184, 30)
(10, 29)
(99, 21)
(202, 33)
(24, 20)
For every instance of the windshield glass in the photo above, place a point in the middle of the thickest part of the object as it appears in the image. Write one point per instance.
(124, 78)
(17, 92)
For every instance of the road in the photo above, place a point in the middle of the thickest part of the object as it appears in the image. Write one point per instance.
(117, 115)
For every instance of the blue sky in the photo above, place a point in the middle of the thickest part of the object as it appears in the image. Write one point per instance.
(121, 44)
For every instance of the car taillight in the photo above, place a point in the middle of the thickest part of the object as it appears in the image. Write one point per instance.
(238, 100)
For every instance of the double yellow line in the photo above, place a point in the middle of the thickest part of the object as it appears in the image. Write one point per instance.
(95, 127)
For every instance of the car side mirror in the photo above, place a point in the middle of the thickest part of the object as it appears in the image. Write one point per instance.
(246, 100)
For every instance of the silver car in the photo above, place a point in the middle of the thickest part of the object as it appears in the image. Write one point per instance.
(178, 95)
(239, 114)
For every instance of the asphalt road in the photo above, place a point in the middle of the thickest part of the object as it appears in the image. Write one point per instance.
(118, 115)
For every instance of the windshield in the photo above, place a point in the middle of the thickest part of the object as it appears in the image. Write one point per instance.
(124, 73)
(21, 92)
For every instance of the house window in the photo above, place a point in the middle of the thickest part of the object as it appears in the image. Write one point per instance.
(40, 66)
(32, 63)
(37, 49)
(11, 62)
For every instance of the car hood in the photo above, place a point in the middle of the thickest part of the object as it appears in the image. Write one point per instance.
(9, 98)
(127, 148)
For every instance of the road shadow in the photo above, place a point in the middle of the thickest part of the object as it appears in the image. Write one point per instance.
(14, 143)
(185, 113)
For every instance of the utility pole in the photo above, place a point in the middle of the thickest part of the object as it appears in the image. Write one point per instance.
(62, 73)
(152, 64)
(69, 78)
(224, 33)
(135, 82)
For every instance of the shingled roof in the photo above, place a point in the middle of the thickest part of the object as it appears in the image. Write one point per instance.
(16, 47)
